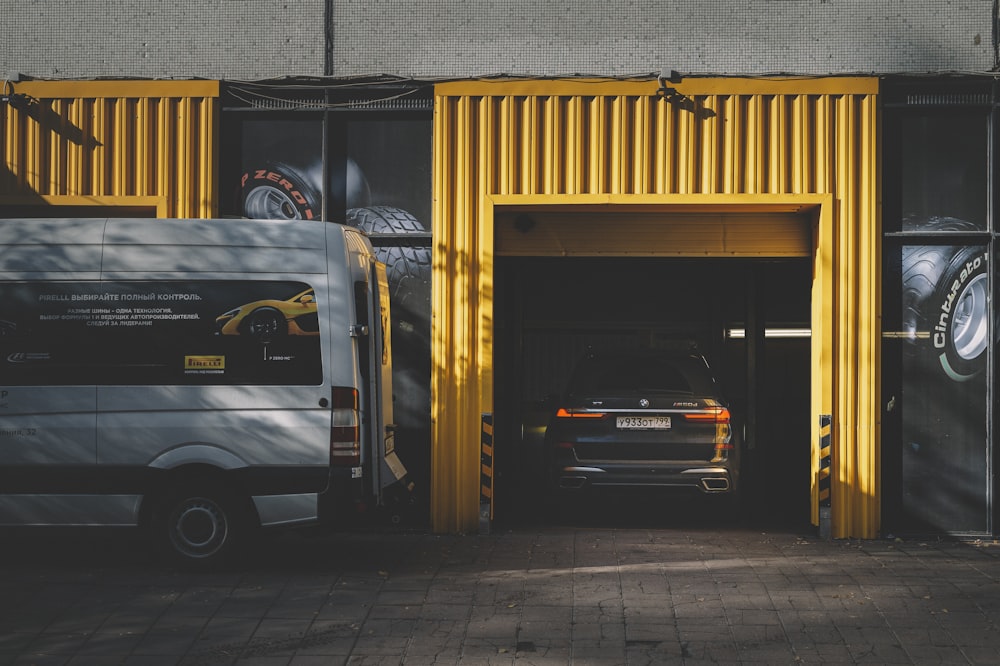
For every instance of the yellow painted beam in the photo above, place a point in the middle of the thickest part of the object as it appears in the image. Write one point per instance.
(159, 204)
(116, 89)
(646, 86)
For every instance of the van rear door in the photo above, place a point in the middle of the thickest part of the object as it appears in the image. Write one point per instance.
(386, 466)
(47, 400)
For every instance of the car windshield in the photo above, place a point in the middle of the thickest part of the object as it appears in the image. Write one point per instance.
(632, 373)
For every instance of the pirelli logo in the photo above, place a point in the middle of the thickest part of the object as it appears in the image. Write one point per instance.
(204, 364)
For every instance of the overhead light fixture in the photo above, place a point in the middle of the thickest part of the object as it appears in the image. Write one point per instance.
(6, 91)
(8, 96)
(665, 91)
(740, 333)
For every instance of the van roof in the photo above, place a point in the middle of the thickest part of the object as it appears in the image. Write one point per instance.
(90, 248)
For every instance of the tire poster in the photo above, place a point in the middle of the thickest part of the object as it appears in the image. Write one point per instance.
(940, 320)
(945, 311)
(372, 172)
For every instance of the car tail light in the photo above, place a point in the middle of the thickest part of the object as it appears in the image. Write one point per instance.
(709, 415)
(723, 434)
(345, 431)
(564, 413)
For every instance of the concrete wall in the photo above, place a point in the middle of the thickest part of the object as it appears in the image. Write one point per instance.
(619, 37)
(254, 39)
(227, 39)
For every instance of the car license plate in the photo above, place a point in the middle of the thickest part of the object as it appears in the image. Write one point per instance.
(643, 422)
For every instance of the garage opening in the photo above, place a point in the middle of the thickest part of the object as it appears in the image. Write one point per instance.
(748, 316)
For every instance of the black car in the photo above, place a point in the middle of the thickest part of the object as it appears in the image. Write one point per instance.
(643, 418)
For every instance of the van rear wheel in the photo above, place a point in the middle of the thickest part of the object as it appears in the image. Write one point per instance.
(199, 527)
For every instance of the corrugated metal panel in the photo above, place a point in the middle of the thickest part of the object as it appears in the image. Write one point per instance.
(112, 141)
(728, 141)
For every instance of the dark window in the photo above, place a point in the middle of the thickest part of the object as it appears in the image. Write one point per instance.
(944, 167)
(939, 321)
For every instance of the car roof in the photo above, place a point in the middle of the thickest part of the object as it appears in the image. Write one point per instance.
(672, 354)
(692, 366)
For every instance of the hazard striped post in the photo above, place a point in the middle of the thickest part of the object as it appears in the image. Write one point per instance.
(823, 481)
(486, 475)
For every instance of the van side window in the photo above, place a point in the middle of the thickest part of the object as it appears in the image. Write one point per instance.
(158, 332)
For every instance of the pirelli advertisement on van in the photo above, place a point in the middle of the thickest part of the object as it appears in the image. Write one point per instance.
(187, 332)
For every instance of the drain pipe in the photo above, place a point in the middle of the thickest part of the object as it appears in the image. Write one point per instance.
(995, 34)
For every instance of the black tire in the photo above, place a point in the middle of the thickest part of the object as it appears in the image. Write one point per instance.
(408, 268)
(728, 506)
(278, 191)
(200, 526)
(265, 325)
(562, 505)
(946, 303)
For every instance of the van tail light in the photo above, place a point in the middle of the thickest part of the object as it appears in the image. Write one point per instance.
(564, 413)
(345, 430)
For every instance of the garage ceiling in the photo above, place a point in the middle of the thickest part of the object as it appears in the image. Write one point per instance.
(611, 234)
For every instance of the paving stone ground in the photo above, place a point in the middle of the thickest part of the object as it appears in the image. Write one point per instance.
(571, 594)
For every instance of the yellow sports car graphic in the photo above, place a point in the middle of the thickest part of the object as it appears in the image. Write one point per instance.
(270, 319)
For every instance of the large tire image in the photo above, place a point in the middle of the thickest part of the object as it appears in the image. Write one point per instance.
(945, 303)
(406, 267)
(278, 192)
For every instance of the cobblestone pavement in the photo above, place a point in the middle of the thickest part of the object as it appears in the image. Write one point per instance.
(528, 595)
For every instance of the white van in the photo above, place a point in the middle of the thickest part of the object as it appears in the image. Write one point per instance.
(199, 377)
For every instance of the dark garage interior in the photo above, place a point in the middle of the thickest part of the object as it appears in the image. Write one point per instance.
(549, 310)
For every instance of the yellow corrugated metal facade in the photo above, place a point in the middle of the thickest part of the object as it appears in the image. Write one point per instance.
(112, 143)
(795, 149)
(728, 146)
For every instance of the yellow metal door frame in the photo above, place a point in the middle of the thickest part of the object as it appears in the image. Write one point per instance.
(816, 207)
(754, 146)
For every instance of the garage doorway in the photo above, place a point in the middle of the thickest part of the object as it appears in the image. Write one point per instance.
(550, 309)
